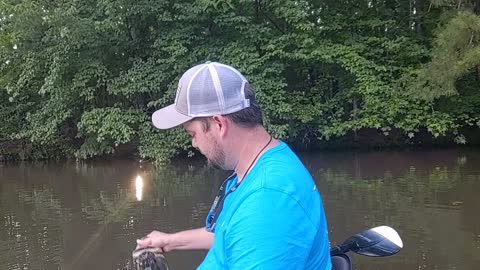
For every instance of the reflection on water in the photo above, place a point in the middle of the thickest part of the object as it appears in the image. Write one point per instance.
(87, 216)
(139, 187)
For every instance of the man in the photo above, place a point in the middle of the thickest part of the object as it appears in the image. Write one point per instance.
(268, 214)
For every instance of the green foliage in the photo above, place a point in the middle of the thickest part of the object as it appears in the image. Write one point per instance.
(162, 145)
(106, 128)
(84, 77)
(456, 53)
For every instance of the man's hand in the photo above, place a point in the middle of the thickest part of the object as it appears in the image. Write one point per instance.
(156, 239)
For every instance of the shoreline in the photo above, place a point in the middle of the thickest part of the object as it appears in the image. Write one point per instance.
(363, 140)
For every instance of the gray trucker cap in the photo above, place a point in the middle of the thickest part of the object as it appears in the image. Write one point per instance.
(204, 90)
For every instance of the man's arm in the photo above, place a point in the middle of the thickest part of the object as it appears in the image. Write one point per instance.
(184, 240)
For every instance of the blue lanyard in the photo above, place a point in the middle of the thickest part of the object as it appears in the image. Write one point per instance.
(217, 205)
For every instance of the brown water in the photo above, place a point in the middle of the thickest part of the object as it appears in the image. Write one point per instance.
(87, 216)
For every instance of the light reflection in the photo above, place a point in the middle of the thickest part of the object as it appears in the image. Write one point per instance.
(139, 187)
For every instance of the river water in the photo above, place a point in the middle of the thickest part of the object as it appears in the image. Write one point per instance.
(88, 215)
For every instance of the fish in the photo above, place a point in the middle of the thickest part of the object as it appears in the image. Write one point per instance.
(149, 259)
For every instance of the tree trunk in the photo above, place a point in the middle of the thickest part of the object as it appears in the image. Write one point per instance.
(355, 112)
(478, 73)
(476, 10)
(476, 7)
(417, 4)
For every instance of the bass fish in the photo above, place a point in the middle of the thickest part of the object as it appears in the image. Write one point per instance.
(149, 259)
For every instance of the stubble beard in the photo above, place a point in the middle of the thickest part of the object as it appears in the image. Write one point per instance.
(217, 160)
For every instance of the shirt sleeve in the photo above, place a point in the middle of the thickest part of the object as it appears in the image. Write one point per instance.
(269, 230)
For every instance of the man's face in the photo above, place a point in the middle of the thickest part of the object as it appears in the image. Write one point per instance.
(203, 140)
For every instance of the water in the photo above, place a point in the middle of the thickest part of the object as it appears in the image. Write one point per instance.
(87, 216)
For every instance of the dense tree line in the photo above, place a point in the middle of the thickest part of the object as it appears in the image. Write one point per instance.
(81, 78)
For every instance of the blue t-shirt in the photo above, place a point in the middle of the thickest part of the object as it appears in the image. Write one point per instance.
(273, 220)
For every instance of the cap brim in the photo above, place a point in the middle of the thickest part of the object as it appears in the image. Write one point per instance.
(169, 117)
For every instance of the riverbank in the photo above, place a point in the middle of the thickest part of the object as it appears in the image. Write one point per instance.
(365, 139)
(375, 139)
(11, 150)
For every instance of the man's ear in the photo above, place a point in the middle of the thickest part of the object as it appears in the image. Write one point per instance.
(220, 123)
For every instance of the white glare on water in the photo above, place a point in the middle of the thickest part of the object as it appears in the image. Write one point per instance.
(139, 187)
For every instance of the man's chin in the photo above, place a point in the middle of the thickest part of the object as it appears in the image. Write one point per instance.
(214, 165)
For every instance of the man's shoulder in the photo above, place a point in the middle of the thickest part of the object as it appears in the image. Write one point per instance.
(282, 168)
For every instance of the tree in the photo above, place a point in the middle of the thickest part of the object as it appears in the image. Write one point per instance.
(82, 78)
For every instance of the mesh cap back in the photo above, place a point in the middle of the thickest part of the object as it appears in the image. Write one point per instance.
(204, 90)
